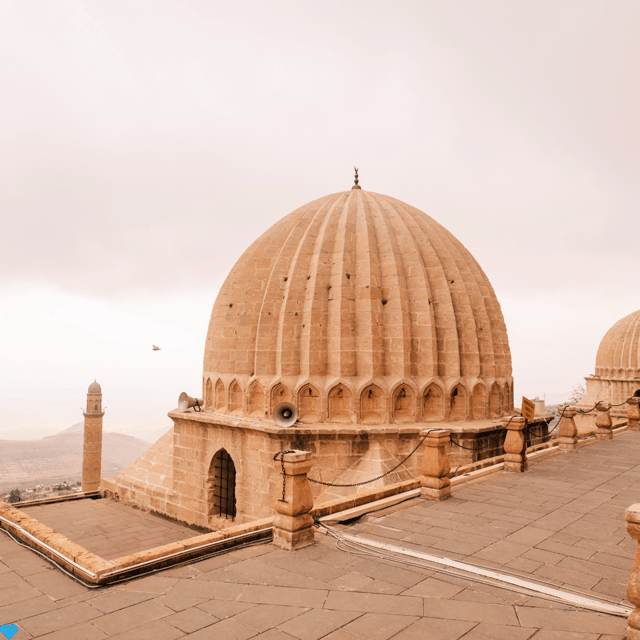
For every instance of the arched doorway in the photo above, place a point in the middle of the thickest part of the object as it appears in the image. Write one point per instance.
(222, 486)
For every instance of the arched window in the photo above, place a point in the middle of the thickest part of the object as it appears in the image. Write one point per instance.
(433, 404)
(222, 486)
(279, 394)
(340, 404)
(220, 399)
(308, 404)
(208, 394)
(403, 400)
(494, 401)
(372, 405)
(458, 400)
(256, 400)
(235, 398)
(479, 403)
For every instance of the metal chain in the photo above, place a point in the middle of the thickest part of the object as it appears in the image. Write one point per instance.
(357, 484)
(284, 475)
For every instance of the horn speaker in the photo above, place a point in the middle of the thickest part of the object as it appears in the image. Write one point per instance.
(285, 414)
(185, 401)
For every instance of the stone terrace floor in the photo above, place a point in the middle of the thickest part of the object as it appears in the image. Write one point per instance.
(108, 528)
(562, 521)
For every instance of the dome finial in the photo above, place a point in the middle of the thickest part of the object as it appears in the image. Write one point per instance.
(355, 181)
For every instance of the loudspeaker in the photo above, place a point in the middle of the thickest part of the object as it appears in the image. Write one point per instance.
(285, 414)
(185, 402)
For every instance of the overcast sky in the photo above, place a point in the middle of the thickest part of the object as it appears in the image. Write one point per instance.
(145, 144)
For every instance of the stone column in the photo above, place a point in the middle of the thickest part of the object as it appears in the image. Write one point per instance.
(434, 481)
(515, 444)
(293, 525)
(603, 421)
(632, 516)
(567, 430)
(633, 414)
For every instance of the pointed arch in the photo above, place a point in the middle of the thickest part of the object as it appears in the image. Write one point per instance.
(479, 402)
(235, 398)
(221, 485)
(256, 400)
(340, 404)
(508, 399)
(208, 394)
(372, 401)
(458, 402)
(308, 404)
(220, 397)
(433, 404)
(404, 399)
(280, 393)
(494, 401)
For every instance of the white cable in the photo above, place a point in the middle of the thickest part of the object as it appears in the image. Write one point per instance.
(473, 572)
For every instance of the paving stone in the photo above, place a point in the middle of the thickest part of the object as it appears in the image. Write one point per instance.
(131, 617)
(189, 620)
(317, 623)
(55, 584)
(83, 631)
(156, 630)
(222, 609)
(435, 629)
(433, 588)
(473, 611)
(151, 584)
(570, 621)
(378, 626)
(529, 536)
(224, 630)
(351, 581)
(488, 631)
(27, 608)
(179, 603)
(374, 603)
(310, 598)
(114, 600)
(265, 616)
(501, 551)
(58, 619)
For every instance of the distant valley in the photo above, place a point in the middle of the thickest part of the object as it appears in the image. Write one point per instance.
(24, 463)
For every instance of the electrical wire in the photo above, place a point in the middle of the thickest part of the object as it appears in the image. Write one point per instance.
(350, 546)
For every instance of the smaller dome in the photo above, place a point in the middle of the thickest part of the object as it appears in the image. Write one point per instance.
(619, 352)
(94, 387)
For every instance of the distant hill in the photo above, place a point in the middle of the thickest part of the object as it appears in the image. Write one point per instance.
(27, 462)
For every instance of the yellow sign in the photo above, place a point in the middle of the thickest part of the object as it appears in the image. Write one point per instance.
(528, 409)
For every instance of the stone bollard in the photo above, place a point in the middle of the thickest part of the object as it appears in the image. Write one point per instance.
(293, 526)
(632, 516)
(515, 444)
(633, 414)
(603, 421)
(434, 481)
(567, 430)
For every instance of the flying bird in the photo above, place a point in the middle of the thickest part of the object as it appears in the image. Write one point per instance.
(153, 346)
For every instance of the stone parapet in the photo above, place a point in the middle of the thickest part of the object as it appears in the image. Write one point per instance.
(567, 430)
(515, 458)
(434, 481)
(293, 501)
(632, 516)
(603, 421)
(633, 414)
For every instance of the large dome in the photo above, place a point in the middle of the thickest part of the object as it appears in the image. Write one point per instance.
(358, 308)
(619, 352)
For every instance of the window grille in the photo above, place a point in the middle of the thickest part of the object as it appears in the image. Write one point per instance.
(224, 485)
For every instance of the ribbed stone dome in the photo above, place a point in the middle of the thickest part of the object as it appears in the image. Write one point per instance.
(358, 308)
(94, 387)
(619, 352)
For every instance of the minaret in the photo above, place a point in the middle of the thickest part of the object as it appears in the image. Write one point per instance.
(92, 452)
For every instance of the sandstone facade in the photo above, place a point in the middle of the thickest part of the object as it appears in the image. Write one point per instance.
(617, 372)
(368, 316)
